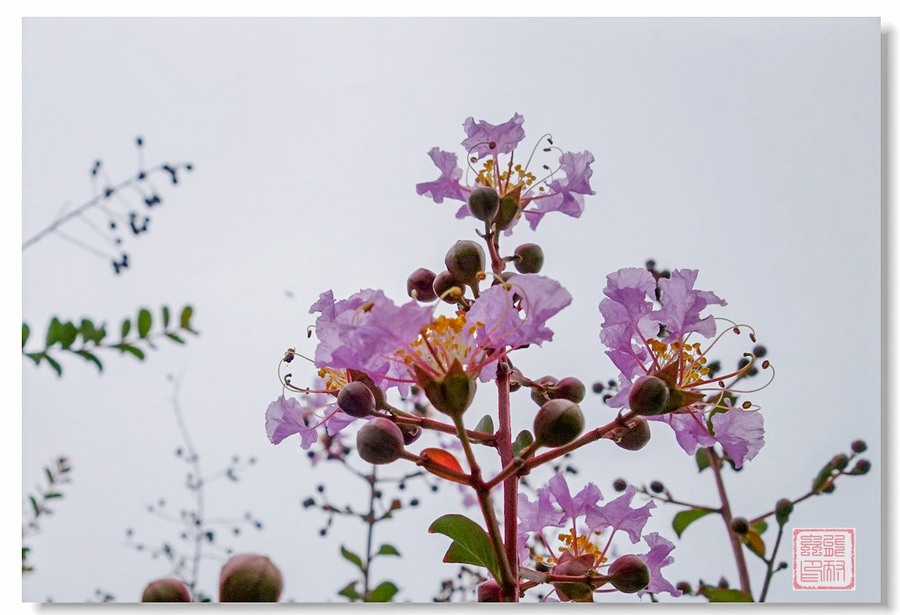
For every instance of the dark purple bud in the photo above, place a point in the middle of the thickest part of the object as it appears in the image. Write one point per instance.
(620, 485)
(648, 396)
(862, 466)
(568, 388)
(420, 285)
(858, 446)
(840, 461)
(250, 578)
(558, 422)
(632, 435)
(379, 441)
(657, 487)
(356, 399)
(489, 591)
(465, 260)
(684, 587)
(529, 258)
(447, 287)
(740, 526)
(484, 203)
(540, 394)
(629, 574)
(166, 590)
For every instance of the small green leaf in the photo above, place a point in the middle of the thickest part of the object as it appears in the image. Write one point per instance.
(383, 593)
(34, 505)
(90, 333)
(54, 364)
(471, 544)
(175, 338)
(686, 517)
(702, 459)
(165, 316)
(823, 476)
(68, 334)
(126, 328)
(36, 357)
(53, 331)
(352, 557)
(26, 331)
(485, 425)
(760, 527)
(52, 495)
(717, 594)
(388, 550)
(145, 321)
(350, 592)
(137, 352)
(90, 357)
(523, 441)
(186, 314)
(755, 543)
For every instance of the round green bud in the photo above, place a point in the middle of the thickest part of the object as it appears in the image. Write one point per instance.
(484, 203)
(558, 422)
(568, 388)
(648, 396)
(529, 258)
(356, 399)
(465, 260)
(250, 578)
(629, 574)
(633, 435)
(443, 282)
(379, 441)
(740, 526)
(166, 590)
(541, 394)
(489, 591)
(783, 509)
(858, 446)
(420, 285)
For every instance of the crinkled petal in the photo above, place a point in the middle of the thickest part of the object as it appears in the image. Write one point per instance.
(619, 515)
(577, 167)
(537, 515)
(657, 558)
(682, 304)
(337, 421)
(480, 135)
(740, 433)
(574, 507)
(690, 430)
(447, 185)
(284, 417)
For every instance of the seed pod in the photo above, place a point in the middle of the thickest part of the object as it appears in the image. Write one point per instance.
(443, 282)
(568, 388)
(558, 422)
(465, 260)
(356, 399)
(484, 203)
(629, 574)
(379, 441)
(420, 285)
(166, 590)
(250, 578)
(633, 435)
(648, 396)
(529, 258)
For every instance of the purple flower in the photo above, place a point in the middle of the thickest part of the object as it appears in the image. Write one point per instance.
(566, 195)
(514, 314)
(582, 504)
(656, 558)
(681, 306)
(484, 139)
(447, 185)
(619, 515)
(285, 417)
(740, 433)
(535, 516)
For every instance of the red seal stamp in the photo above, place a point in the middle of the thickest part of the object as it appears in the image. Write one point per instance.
(824, 559)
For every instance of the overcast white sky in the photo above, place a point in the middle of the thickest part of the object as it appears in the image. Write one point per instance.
(748, 149)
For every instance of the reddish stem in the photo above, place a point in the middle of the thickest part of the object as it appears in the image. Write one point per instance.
(716, 464)
(511, 483)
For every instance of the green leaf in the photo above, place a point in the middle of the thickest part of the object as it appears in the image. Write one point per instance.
(186, 314)
(388, 550)
(702, 459)
(26, 331)
(760, 527)
(717, 594)
(686, 517)
(54, 364)
(34, 505)
(90, 357)
(352, 557)
(52, 495)
(823, 476)
(485, 425)
(126, 328)
(137, 352)
(471, 544)
(36, 357)
(350, 592)
(175, 338)
(165, 316)
(90, 332)
(523, 441)
(68, 333)
(383, 593)
(144, 322)
(53, 331)
(755, 543)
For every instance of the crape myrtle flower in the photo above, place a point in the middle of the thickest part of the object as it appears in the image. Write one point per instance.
(645, 342)
(556, 507)
(558, 189)
(287, 416)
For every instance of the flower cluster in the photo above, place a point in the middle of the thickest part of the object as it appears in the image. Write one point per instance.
(664, 373)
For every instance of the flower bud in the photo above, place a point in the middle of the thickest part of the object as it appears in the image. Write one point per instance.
(489, 591)
(840, 461)
(862, 466)
(633, 435)
(250, 578)
(465, 260)
(574, 566)
(453, 393)
(529, 258)
(568, 388)
(740, 526)
(420, 285)
(484, 203)
(629, 574)
(356, 399)
(620, 485)
(443, 282)
(166, 590)
(858, 446)
(783, 509)
(540, 394)
(684, 587)
(558, 422)
(379, 441)
(657, 487)
(648, 396)
(411, 433)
